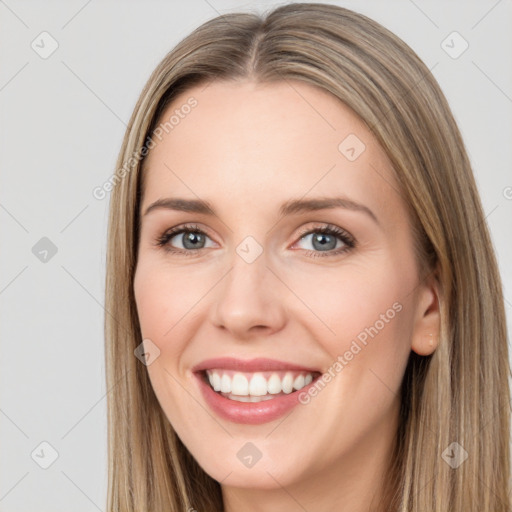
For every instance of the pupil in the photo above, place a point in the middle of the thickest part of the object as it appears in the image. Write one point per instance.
(321, 239)
(192, 239)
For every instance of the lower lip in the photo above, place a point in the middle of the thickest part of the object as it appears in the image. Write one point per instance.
(249, 413)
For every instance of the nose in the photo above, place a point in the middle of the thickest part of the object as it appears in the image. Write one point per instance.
(250, 300)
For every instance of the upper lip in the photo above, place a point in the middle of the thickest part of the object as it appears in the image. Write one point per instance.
(250, 365)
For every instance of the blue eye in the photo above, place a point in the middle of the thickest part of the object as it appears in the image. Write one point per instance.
(191, 236)
(327, 240)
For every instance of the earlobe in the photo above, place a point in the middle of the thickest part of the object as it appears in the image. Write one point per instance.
(425, 337)
(426, 345)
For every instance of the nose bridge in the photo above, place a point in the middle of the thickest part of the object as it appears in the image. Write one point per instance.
(247, 298)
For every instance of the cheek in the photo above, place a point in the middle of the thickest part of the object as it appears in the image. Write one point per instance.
(164, 297)
(361, 312)
(348, 298)
(159, 308)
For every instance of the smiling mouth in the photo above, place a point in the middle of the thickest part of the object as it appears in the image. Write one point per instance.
(257, 386)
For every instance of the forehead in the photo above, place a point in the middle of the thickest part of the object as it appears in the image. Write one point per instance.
(265, 143)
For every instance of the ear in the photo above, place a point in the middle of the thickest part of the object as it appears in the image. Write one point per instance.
(427, 326)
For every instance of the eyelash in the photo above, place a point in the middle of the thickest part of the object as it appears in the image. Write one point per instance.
(163, 240)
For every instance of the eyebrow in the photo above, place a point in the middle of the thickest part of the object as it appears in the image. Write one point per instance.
(293, 206)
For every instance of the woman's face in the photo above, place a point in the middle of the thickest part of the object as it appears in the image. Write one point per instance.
(255, 296)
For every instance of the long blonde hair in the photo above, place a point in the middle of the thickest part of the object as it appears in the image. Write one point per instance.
(460, 393)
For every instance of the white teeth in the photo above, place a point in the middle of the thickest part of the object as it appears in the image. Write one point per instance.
(225, 384)
(298, 383)
(216, 381)
(239, 384)
(258, 385)
(288, 383)
(250, 398)
(251, 387)
(274, 384)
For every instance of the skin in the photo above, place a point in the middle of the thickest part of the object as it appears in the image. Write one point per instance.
(247, 148)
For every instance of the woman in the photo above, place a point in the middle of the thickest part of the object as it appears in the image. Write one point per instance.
(305, 311)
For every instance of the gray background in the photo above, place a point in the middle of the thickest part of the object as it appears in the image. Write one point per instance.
(63, 119)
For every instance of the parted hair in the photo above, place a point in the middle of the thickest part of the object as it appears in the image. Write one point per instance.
(460, 393)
